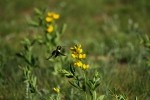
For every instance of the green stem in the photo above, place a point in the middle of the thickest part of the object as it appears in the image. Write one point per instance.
(58, 96)
(27, 90)
(85, 96)
(93, 95)
(85, 85)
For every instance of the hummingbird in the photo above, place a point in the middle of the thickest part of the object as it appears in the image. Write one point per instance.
(56, 52)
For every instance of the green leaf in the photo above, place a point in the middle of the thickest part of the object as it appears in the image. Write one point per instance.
(37, 11)
(48, 37)
(74, 84)
(72, 69)
(19, 55)
(33, 23)
(63, 28)
(69, 76)
(121, 97)
(101, 97)
(97, 84)
(34, 81)
(89, 83)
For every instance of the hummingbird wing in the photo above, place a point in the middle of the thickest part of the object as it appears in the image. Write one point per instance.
(60, 53)
(49, 57)
(53, 54)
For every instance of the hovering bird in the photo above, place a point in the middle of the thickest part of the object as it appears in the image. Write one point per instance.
(57, 52)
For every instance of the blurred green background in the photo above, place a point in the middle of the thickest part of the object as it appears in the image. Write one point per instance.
(109, 30)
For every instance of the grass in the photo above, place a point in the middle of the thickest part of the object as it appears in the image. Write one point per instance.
(109, 30)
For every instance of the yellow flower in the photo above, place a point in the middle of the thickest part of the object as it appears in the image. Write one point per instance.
(74, 55)
(48, 19)
(72, 49)
(78, 45)
(50, 14)
(50, 28)
(56, 16)
(53, 15)
(57, 90)
(85, 67)
(82, 56)
(78, 64)
(79, 50)
(76, 48)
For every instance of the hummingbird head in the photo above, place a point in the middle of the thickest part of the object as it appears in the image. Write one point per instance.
(59, 47)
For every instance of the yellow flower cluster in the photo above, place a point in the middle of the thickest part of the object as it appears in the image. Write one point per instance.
(81, 65)
(78, 55)
(57, 90)
(51, 17)
(77, 52)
